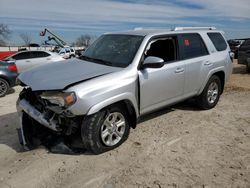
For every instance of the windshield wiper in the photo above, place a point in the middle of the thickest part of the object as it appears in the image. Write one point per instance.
(95, 60)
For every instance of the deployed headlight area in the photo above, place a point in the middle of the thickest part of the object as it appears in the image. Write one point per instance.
(59, 98)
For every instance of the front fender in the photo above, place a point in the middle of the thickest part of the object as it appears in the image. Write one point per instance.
(115, 99)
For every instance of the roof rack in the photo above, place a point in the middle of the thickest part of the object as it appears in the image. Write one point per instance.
(193, 28)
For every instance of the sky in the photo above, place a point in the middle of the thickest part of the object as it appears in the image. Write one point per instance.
(71, 18)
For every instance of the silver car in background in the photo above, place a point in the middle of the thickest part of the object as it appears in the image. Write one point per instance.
(91, 102)
(26, 60)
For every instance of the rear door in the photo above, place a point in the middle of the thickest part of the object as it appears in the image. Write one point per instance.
(197, 62)
(39, 58)
(23, 61)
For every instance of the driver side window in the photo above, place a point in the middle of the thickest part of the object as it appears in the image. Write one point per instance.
(165, 48)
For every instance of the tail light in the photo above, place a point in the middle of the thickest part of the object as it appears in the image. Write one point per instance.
(12, 68)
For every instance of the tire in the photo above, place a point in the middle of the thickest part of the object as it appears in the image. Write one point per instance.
(4, 87)
(100, 132)
(211, 93)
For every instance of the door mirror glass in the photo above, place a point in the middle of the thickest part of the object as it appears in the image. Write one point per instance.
(153, 62)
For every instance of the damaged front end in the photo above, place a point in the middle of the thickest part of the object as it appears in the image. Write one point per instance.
(45, 120)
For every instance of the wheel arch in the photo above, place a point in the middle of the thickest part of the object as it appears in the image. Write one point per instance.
(221, 76)
(129, 104)
(218, 72)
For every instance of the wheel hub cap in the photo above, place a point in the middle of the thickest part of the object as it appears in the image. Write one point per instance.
(113, 128)
(2, 87)
(213, 92)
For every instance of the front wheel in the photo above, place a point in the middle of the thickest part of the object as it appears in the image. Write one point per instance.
(106, 129)
(211, 93)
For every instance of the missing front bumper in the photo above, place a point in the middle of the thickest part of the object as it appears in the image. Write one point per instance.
(35, 130)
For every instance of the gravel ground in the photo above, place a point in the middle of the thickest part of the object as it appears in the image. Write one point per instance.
(179, 146)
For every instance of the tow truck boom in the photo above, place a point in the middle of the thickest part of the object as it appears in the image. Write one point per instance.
(54, 37)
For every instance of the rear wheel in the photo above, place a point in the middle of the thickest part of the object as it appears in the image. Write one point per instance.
(106, 129)
(211, 93)
(4, 87)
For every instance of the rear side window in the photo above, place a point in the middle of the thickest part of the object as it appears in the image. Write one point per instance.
(22, 55)
(39, 54)
(218, 41)
(193, 46)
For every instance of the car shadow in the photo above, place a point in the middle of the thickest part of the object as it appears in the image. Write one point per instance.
(240, 70)
(8, 134)
(187, 105)
(11, 90)
(10, 122)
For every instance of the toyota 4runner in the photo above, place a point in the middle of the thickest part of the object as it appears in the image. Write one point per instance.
(92, 102)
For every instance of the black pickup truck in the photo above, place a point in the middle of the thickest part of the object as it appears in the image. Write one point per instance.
(244, 54)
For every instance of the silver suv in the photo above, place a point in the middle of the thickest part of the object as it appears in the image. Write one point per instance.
(92, 102)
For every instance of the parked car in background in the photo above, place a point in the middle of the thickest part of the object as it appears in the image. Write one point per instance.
(26, 60)
(92, 102)
(8, 75)
(244, 54)
(234, 45)
(34, 45)
(66, 53)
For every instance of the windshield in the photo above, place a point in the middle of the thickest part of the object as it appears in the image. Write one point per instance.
(113, 50)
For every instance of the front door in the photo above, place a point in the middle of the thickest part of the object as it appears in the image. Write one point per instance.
(161, 86)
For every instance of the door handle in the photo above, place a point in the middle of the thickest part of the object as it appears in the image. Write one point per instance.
(48, 59)
(27, 61)
(207, 63)
(179, 70)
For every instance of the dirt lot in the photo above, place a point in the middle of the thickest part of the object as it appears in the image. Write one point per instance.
(180, 146)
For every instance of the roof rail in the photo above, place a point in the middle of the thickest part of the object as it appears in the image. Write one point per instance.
(193, 28)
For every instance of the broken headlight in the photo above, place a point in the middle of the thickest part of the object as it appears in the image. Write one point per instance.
(59, 98)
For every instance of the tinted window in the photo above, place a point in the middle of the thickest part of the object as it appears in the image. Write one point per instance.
(218, 41)
(39, 54)
(23, 55)
(193, 46)
(67, 51)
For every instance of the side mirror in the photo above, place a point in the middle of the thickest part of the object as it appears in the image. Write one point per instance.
(153, 62)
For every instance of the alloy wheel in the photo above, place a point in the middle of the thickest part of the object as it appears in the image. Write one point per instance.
(113, 128)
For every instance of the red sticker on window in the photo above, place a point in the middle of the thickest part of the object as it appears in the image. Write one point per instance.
(186, 42)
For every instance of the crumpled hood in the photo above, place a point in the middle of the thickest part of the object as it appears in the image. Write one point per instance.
(58, 75)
